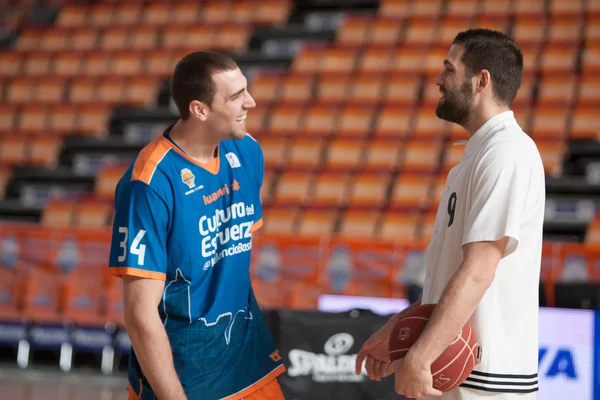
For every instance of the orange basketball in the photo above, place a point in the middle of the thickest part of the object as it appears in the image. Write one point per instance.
(454, 365)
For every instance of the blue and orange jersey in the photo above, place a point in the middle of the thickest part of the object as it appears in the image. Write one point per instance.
(191, 225)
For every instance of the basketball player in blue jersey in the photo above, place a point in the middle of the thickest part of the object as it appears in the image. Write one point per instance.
(185, 212)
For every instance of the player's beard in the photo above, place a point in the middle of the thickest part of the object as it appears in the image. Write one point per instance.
(457, 106)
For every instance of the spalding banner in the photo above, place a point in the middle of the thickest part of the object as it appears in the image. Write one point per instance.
(319, 351)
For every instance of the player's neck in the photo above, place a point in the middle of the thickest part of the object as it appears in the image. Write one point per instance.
(193, 142)
(481, 116)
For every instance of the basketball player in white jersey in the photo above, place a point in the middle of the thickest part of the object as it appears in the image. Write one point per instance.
(483, 260)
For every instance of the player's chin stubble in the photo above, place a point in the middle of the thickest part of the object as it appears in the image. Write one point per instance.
(457, 105)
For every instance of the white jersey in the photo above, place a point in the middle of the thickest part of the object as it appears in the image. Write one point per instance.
(496, 191)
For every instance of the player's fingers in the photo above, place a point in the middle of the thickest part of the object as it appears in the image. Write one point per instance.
(382, 367)
(370, 367)
(433, 392)
(376, 368)
(360, 357)
(390, 367)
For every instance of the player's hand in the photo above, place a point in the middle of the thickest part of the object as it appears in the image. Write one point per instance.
(375, 351)
(412, 379)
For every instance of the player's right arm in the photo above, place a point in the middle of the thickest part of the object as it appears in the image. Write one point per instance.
(375, 349)
(138, 255)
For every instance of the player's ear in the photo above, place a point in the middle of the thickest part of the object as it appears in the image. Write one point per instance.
(485, 80)
(198, 110)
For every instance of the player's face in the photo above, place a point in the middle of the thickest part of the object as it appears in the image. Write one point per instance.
(230, 105)
(456, 103)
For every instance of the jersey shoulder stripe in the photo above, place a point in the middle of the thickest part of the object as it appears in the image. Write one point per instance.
(148, 160)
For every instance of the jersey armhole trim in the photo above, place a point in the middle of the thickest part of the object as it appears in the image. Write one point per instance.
(257, 225)
(140, 273)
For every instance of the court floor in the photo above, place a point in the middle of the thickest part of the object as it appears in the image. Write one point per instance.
(48, 384)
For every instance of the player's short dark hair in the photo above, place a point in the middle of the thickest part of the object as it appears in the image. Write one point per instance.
(193, 78)
(499, 54)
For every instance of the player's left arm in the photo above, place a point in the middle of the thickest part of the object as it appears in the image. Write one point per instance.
(491, 232)
(260, 173)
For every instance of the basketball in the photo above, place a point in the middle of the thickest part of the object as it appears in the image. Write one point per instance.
(456, 362)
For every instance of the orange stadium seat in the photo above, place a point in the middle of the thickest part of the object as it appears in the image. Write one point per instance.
(559, 60)
(557, 90)
(565, 31)
(355, 121)
(421, 156)
(549, 123)
(126, 63)
(297, 89)
(215, 11)
(339, 60)
(102, 14)
(354, 31)
(552, 156)
(374, 60)
(330, 189)
(591, 59)
(410, 191)
(196, 36)
(157, 13)
(256, 120)
(244, 12)
(369, 190)
(83, 90)
(110, 90)
(8, 117)
(398, 226)
(140, 91)
(585, 123)
(525, 94)
(73, 15)
(332, 89)
(308, 59)
(382, 155)
(366, 89)
(128, 14)
(67, 63)
(84, 38)
(408, 60)
(44, 151)
(266, 191)
(402, 89)
(419, 33)
(593, 8)
(393, 122)
(50, 90)
(58, 213)
(93, 119)
(589, 90)
(385, 32)
(496, 8)
(42, 297)
(319, 120)
(452, 156)
(447, 30)
(431, 91)
(273, 12)
(285, 120)
(92, 214)
(592, 30)
(19, 90)
(317, 222)
(63, 118)
(292, 188)
(359, 224)
(184, 13)
(499, 23)
(274, 151)
(37, 64)
(427, 9)
(13, 150)
(96, 64)
(158, 63)
(530, 9)
(279, 220)
(33, 118)
(10, 63)
(114, 38)
(531, 59)
(397, 9)
(5, 176)
(523, 116)
(231, 37)
(29, 39)
(592, 235)
(528, 31)
(462, 8)
(429, 125)
(344, 154)
(106, 181)
(55, 39)
(565, 8)
(264, 88)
